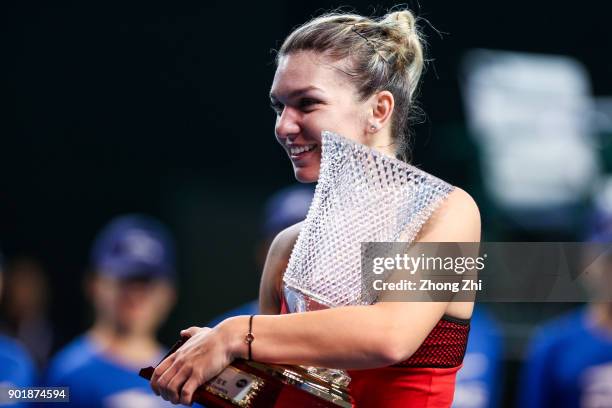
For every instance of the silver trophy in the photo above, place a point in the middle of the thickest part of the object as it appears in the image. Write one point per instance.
(362, 195)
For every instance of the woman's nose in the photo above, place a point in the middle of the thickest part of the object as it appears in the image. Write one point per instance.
(287, 124)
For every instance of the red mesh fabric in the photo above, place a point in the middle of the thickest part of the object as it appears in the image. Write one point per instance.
(443, 347)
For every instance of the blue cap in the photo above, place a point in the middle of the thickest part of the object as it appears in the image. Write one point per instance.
(134, 245)
(286, 207)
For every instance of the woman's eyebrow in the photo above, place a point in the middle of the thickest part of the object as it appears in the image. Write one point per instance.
(297, 92)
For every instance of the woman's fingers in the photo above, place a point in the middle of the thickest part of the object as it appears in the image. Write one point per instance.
(190, 331)
(159, 372)
(188, 389)
(176, 384)
(178, 376)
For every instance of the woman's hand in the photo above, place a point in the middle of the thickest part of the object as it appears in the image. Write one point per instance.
(205, 354)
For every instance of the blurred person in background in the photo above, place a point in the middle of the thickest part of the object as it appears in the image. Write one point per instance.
(478, 383)
(283, 209)
(132, 292)
(569, 363)
(25, 307)
(16, 366)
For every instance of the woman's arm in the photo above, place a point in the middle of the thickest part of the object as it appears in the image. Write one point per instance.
(348, 337)
(352, 337)
(276, 263)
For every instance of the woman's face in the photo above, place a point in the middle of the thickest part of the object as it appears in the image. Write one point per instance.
(310, 94)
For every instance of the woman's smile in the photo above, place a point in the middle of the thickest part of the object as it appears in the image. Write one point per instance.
(301, 153)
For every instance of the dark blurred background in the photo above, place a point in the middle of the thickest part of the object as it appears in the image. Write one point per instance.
(162, 108)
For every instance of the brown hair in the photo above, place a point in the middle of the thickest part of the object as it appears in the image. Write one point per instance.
(384, 54)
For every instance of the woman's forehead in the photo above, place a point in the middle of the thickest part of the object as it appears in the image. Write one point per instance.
(306, 70)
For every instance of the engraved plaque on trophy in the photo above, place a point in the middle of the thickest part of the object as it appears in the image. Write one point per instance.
(250, 384)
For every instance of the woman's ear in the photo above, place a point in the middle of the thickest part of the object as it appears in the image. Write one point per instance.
(382, 104)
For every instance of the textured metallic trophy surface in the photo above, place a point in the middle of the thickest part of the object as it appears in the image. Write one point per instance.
(362, 195)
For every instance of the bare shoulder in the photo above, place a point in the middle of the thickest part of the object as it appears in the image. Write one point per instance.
(285, 240)
(456, 219)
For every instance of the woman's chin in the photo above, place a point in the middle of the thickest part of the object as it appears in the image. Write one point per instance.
(306, 175)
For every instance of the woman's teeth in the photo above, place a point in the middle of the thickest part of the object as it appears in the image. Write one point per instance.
(300, 149)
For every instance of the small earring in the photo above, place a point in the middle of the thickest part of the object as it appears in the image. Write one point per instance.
(373, 127)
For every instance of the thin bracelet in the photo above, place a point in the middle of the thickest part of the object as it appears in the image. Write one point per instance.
(250, 337)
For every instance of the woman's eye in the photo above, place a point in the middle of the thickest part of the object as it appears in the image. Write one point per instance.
(307, 102)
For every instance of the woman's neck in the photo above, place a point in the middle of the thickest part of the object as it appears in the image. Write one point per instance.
(384, 144)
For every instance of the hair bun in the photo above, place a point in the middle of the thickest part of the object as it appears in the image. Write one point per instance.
(404, 21)
(406, 43)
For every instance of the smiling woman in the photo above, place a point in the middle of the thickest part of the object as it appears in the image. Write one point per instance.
(343, 94)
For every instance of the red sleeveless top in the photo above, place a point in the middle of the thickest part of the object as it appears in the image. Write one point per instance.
(425, 380)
